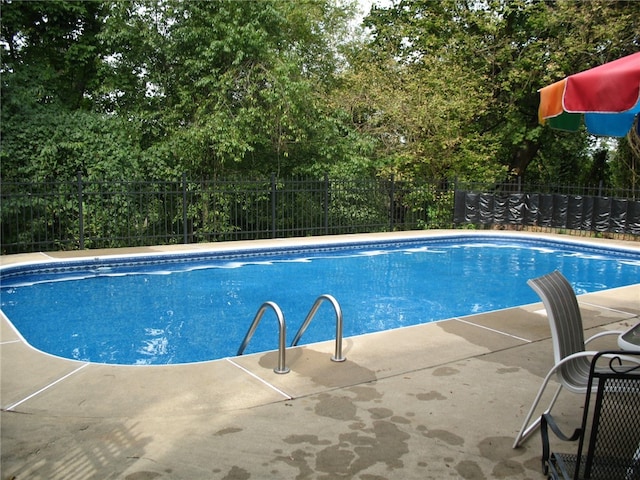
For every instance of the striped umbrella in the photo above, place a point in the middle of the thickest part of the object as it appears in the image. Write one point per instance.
(606, 97)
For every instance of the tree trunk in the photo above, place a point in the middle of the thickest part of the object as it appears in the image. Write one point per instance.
(522, 157)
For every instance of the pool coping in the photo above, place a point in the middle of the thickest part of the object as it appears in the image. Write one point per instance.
(244, 392)
(300, 242)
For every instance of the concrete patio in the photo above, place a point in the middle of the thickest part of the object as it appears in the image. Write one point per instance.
(435, 401)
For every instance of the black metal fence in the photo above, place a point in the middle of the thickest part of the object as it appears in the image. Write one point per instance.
(79, 214)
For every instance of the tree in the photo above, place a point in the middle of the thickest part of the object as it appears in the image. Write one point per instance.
(511, 48)
(438, 90)
(49, 69)
(226, 85)
(202, 87)
(539, 43)
(625, 164)
(51, 52)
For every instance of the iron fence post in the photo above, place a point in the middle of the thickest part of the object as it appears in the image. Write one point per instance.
(185, 230)
(392, 202)
(455, 196)
(273, 206)
(326, 203)
(80, 213)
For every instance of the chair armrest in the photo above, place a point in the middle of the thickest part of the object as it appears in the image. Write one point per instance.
(591, 353)
(547, 421)
(602, 334)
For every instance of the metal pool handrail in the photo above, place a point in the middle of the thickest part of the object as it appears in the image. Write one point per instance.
(281, 368)
(337, 357)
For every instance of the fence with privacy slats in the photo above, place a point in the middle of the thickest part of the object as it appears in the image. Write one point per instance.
(560, 211)
(80, 214)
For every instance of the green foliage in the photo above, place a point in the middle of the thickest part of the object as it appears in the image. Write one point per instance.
(53, 47)
(625, 164)
(501, 52)
(57, 145)
(440, 89)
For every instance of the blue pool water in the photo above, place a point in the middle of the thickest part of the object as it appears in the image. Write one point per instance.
(184, 308)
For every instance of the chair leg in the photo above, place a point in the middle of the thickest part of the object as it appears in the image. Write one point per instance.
(527, 430)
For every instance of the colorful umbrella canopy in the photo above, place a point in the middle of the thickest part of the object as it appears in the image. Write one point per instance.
(608, 97)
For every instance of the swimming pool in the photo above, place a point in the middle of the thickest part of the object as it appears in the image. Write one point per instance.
(197, 306)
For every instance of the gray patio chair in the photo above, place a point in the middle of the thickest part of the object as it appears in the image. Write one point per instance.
(571, 360)
(609, 434)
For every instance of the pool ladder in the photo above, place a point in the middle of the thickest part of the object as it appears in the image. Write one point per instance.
(282, 330)
(282, 334)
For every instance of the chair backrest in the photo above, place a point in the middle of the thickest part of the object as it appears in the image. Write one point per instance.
(565, 322)
(611, 422)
